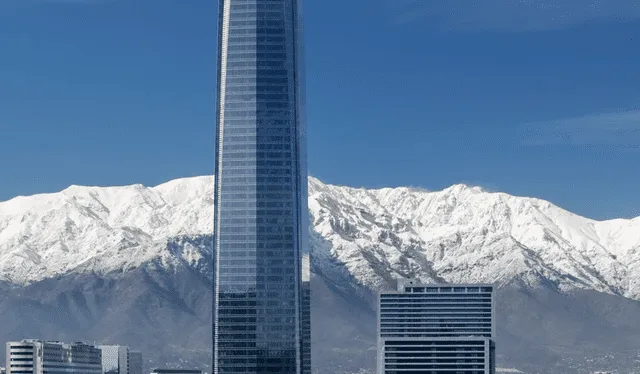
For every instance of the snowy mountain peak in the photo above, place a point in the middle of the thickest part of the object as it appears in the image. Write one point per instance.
(462, 188)
(460, 234)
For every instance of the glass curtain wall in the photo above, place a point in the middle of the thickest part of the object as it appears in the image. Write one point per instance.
(260, 193)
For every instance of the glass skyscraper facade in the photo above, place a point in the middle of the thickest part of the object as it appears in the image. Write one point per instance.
(261, 312)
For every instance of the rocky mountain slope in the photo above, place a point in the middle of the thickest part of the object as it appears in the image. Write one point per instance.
(132, 264)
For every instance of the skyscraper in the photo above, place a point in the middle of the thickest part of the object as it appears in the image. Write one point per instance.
(436, 329)
(260, 225)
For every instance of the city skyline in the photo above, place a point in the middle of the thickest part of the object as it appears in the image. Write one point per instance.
(547, 109)
(212, 271)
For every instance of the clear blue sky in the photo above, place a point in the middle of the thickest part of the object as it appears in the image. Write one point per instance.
(530, 98)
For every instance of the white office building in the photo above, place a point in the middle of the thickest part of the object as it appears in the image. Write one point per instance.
(119, 359)
(436, 329)
(52, 357)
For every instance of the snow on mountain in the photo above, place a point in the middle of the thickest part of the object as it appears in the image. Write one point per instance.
(465, 234)
(99, 229)
(460, 234)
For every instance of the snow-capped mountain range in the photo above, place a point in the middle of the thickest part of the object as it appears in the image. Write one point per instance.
(460, 234)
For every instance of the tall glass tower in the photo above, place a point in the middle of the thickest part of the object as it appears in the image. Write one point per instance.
(261, 296)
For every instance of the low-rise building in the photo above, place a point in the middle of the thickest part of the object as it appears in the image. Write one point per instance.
(135, 362)
(42, 357)
(176, 371)
(119, 359)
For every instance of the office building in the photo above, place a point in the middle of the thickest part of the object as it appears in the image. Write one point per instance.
(306, 316)
(135, 362)
(111, 359)
(176, 371)
(119, 359)
(436, 329)
(43, 357)
(260, 220)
